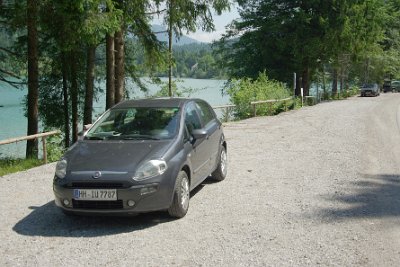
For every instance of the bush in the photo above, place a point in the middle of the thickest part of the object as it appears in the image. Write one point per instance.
(246, 90)
(55, 147)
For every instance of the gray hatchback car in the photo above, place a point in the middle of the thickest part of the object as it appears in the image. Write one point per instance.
(140, 156)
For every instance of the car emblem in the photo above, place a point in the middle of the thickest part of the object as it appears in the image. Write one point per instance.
(97, 175)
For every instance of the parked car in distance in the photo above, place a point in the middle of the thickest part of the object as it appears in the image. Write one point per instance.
(395, 86)
(370, 89)
(387, 86)
(141, 156)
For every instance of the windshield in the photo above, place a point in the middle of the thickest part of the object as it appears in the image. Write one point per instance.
(140, 123)
(372, 85)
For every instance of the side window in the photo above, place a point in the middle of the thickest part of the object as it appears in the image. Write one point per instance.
(192, 119)
(206, 113)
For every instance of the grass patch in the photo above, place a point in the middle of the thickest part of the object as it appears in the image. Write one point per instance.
(11, 165)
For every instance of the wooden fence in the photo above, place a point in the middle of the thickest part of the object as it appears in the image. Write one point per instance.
(30, 137)
(228, 108)
(269, 102)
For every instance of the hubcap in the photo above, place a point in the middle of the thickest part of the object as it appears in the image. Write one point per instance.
(185, 193)
(224, 162)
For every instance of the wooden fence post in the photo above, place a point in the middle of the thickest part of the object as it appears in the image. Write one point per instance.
(44, 150)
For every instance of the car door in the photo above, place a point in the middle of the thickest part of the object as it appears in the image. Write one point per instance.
(199, 155)
(213, 127)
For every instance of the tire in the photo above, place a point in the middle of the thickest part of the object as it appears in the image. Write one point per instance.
(220, 172)
(180, 203)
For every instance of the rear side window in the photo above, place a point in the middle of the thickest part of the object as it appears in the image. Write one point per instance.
(206, 112)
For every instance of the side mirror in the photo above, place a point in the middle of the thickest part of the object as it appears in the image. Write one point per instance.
(199, 134)
(84, 130)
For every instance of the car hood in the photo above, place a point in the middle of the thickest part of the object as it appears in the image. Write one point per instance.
(113, 155)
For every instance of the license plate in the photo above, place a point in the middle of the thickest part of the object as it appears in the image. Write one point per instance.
(95, 194)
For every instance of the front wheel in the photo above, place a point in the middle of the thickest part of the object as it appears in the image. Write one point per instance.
(222, 168)
(180, 203)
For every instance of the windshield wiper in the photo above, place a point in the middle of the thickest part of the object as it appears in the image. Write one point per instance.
(94, 138)
(138, 137)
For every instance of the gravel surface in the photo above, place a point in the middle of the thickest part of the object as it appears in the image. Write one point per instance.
(316, 186)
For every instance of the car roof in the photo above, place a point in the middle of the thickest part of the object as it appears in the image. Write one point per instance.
(154, 102)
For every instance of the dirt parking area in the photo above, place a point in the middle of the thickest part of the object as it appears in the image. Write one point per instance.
(318, 186)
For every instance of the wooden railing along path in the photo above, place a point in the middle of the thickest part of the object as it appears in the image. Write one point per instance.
(30, 137)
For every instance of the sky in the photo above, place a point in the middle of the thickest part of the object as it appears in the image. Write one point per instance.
(219, 21)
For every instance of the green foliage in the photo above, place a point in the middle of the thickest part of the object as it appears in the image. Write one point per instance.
(55, 147)
(11, 165)
(358, 39)
(185, 15)
(246, 90)
(195, 61)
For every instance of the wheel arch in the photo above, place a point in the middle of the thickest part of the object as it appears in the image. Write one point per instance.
(186, 169)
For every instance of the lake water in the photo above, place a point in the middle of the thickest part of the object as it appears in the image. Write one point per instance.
(13, 123)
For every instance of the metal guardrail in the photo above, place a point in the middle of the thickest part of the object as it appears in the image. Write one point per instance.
(30, 137)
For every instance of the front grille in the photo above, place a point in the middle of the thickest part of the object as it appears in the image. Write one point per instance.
(83, 185)
(97, 205)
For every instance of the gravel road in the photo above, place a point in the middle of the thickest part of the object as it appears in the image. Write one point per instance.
(316, 186)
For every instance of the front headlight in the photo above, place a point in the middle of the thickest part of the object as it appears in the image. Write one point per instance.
(150, 169)
(61, 168)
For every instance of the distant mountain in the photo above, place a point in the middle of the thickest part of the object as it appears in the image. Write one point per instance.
(162, 35)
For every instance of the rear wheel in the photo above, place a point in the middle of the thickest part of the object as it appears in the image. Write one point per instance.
(222, 168)
(180, 203)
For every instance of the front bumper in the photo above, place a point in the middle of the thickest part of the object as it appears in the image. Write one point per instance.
(369, 92)
(155, 194)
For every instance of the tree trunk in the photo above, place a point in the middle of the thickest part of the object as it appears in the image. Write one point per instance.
(323, 80)
(87, 113)
(366, 71)
(119, 66)
(170, 52)
(110, 74)
(74, 96)
(298, 86)
(65, 97)
(334, 81)
(33, 78)
(341, 79)
(306, 81)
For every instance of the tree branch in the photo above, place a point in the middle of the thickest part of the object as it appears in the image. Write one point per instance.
(156, 12)
(8, 51)
(9, 73)
(12, 83)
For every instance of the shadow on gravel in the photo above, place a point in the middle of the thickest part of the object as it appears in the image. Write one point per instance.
(377, 196)
(49, 220)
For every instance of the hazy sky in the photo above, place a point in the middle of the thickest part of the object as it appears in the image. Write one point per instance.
(219, 21)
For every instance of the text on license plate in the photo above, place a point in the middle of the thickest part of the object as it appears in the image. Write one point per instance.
(95, 194)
